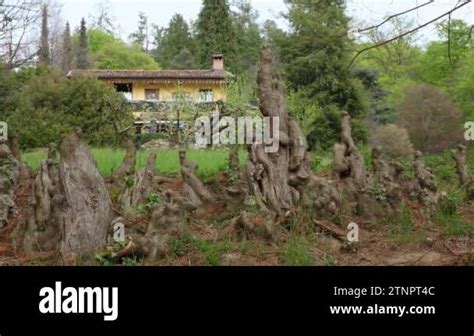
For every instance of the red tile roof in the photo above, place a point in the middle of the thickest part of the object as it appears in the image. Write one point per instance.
(153, 74)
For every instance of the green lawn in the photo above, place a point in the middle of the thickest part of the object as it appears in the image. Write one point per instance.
(209, 162)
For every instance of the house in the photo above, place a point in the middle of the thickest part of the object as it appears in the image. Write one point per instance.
(200, 86)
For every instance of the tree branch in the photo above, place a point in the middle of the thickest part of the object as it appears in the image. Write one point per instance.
(407, 32)
(391, 17)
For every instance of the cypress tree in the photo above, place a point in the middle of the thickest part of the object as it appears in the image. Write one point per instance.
(249, 40)
(83, 48)
(314, 54)
(175, 41)
(215, 33)
(44, 52)
(66, 52)
(183, 61)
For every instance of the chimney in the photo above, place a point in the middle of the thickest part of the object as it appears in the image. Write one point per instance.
(217, 62)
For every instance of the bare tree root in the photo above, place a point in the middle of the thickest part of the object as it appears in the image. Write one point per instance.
(322, 198)
(168, 221)
(254, 226)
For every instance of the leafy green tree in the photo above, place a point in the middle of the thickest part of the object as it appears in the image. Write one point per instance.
(463, 90)
(8, 86)
(44, 53)
(315, 54)
(247, 31)
(109, 52)
(82, 54)
(183, 61)
(215, 33)
(315, 60)
(174, 43)
(393, 61)
(140, 37)
(380, 110)
(442, 58)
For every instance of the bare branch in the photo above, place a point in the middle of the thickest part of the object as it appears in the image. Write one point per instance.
(407, 32)
(391, 17)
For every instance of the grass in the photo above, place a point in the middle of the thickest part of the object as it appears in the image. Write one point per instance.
(296, 252)
(450, 219)
(401, 227)
(213, 251)
(453, 226)
(209, 162)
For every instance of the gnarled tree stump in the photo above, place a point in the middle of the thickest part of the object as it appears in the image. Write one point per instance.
(9, 174)
(168, 221)
(348, 162)
(276, 179)
(193, 188)
(70, 210)
(139, 185)
(425, 185)
(23, 173)
(465, 178)
(127, 167)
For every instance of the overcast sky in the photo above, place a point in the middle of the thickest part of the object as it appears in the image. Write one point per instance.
(160, 12)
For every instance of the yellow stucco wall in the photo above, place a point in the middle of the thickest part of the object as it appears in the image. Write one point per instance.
(167, 90)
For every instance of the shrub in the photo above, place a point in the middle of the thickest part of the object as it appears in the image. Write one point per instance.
(394, 140)
(48, 105)
(432, 120)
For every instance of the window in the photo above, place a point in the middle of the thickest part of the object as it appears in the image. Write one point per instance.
(125, 89)
(152, 94)
(206, 96)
